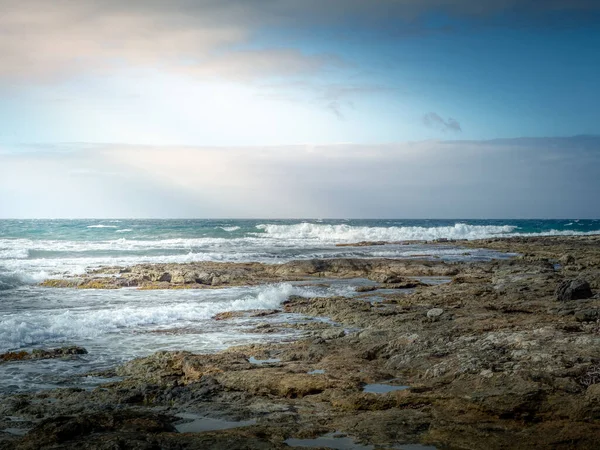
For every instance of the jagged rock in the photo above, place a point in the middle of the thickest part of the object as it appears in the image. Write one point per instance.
(573, 290)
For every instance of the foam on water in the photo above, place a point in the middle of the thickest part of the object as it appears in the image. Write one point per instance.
(230, 229)
(30, 328)
(348, 233)
(116, 325)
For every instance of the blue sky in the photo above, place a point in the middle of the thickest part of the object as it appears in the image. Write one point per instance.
(280, 74)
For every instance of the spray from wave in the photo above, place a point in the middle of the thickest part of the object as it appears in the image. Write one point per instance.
(349, 233)
(39, 328)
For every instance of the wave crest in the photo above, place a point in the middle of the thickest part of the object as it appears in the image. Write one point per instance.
(20, 331)
(349, 233)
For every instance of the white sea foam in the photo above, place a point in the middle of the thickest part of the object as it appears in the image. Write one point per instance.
(14, 253)
(348, 233)
(121, 244)
(124, 230)
(13, 278)
(102, 226)
(32, 328)
(229, 228)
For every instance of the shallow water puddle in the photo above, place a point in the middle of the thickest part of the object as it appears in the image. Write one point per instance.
(377, 388)
(253, 360)
(16, 431)
(199, 424)
(316, 372)
(331, 440)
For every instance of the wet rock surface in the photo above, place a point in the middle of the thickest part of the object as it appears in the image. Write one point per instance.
(491, 360)
(202, 275)
(63, 352)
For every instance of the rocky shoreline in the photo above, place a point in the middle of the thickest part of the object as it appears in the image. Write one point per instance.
(505, 355)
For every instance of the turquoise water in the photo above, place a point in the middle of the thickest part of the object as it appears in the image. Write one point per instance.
(116, 325)
(94, 229)
(32, 250)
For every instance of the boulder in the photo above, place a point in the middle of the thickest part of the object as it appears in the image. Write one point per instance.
(573, 290)
(435, 313)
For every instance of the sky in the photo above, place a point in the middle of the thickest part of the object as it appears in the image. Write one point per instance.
(285, 108)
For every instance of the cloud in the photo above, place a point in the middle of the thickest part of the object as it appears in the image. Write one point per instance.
(503, 178)
(43, 40)
(433, 120)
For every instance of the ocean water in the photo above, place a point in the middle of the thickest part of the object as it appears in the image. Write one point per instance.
(118, 325)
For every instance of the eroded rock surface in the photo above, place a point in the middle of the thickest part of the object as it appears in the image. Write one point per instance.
(491, 359)
(215, 274)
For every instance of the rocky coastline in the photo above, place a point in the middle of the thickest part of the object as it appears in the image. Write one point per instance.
(505, 354)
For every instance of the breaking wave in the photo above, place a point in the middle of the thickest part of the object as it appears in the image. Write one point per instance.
(349, 233)
(229, 229)
(13, 279)
(21, 330)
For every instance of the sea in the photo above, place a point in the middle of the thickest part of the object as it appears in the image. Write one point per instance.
(118, 325)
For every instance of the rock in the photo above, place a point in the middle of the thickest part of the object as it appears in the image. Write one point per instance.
(39, 353)
(566, 260)
(78, 430)
(386, 278)
(573, 290)
(365, 288)
(592, 395)
(362, 244)
(333, 334)
(165, 277)
(587, 315)
(407, 284)
(435, 313)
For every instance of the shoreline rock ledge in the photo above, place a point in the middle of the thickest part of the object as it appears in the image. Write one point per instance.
(506, 356)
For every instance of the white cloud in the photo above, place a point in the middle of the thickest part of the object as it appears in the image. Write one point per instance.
(506, 178)
(42, 39)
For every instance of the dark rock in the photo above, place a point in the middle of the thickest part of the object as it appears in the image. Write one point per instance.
(74, 429)
(39, 353)
(573, 290)
(587, 315)
(365, 288)
(165, 277)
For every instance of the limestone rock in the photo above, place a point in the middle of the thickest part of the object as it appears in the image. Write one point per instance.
(333, 334)
(587, 315)
(435, 313)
